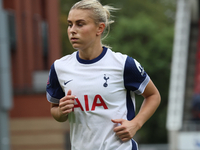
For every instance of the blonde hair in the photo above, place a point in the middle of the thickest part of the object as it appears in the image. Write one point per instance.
(100, 13)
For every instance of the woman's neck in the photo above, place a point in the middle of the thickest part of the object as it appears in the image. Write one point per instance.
(90, 53)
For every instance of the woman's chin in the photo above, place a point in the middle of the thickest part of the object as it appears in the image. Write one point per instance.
(75, 46)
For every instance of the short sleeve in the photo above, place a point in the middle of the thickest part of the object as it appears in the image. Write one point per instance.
(53, 89)
(135, 77)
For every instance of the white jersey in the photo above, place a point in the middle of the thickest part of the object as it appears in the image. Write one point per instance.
(104, 88)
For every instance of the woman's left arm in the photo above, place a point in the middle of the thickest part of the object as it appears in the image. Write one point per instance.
(150, 104)
(152, 99)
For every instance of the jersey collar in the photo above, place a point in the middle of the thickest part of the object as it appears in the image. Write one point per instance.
(83, 61)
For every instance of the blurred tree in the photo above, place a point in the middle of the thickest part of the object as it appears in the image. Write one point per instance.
(144, 31)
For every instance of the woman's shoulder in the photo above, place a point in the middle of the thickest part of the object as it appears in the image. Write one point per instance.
(117, 55)
(67, 57)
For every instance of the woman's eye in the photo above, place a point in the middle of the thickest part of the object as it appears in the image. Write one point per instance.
(69, 25)
(80, 24)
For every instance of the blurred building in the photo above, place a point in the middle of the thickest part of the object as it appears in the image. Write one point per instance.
(34, 45)
(183, 116)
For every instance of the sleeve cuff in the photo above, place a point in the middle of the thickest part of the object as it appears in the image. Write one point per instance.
(52, 99)
(143, 86)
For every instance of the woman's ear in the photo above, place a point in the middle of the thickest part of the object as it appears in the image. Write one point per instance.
(100, 28)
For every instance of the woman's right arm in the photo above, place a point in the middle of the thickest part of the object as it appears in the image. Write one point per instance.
(60, 111)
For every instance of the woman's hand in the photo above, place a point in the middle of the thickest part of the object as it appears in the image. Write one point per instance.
(66, 104)
(126, 130)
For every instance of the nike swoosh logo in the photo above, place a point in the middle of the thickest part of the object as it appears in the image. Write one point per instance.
(67, 82)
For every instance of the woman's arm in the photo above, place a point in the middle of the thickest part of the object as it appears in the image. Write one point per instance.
(151, 102)
(127, 129)
(60, 111)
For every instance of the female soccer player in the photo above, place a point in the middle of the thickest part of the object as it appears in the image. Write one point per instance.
(94, 87)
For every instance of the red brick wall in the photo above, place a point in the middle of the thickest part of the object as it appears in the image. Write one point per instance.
(28, 55)
(30, 106)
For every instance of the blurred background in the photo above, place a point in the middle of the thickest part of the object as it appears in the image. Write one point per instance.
(163, 35)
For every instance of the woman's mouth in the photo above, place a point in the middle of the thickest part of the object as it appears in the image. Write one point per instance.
(74, 39)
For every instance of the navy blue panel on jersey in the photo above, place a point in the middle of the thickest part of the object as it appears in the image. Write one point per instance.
(134, 75)
(134, 145)
(54, 90)
(130, 106)
(93, 60)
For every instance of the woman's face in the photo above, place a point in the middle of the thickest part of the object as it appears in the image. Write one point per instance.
(82, 31)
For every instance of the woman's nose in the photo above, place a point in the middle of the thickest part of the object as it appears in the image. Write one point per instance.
(73, 29)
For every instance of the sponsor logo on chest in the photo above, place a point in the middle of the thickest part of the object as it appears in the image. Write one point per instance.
(97, 102)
